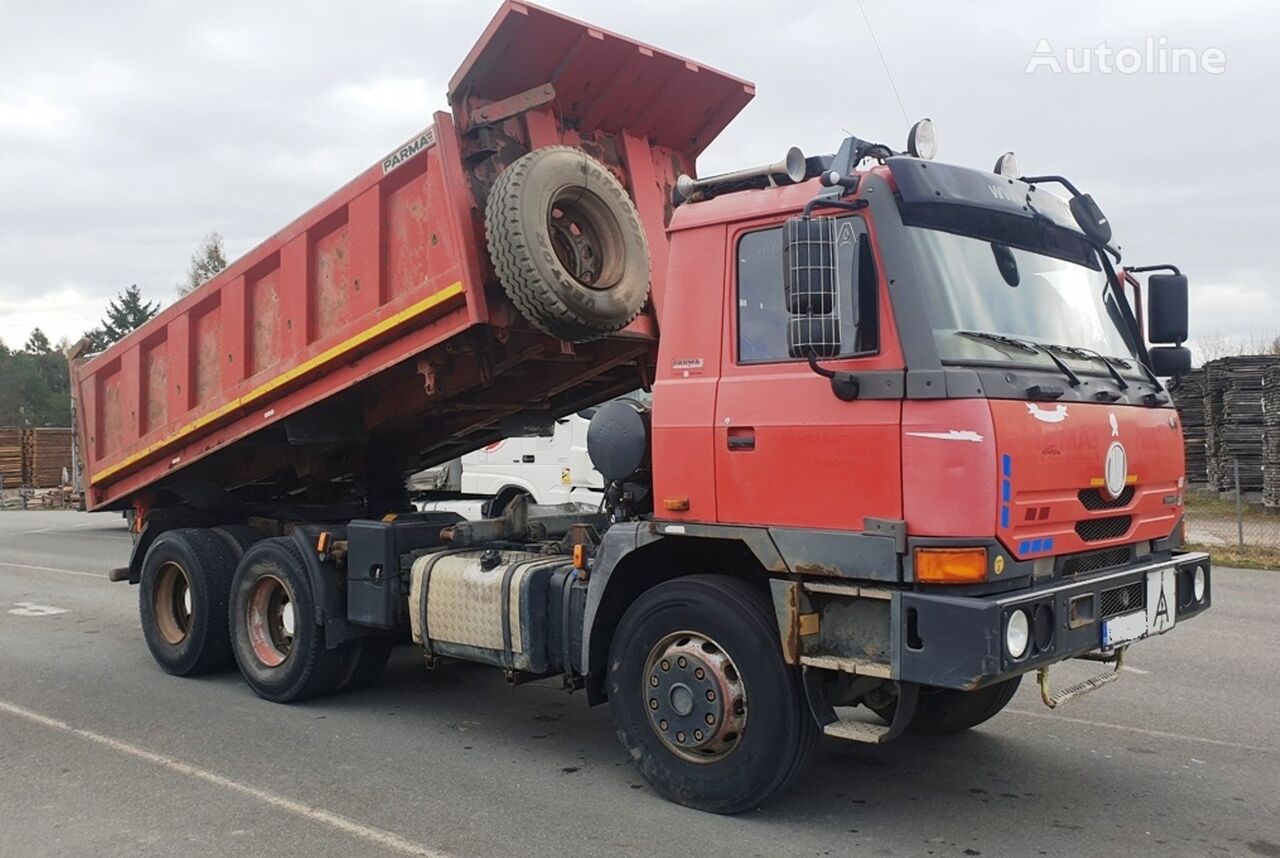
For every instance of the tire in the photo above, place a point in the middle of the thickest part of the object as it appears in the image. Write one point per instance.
(942, 711)
(277, 644)
(779, 731)
(187, 636)
(567, 244)
(239, 537)
(363, 661)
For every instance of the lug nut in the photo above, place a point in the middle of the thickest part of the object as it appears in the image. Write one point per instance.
(680, 738)
(653, 703)
(710, 719)
(653, 680)
(663, 724)
(697, 734)
(711, 695)
(666, 665)
(682, 661)
(700, 673)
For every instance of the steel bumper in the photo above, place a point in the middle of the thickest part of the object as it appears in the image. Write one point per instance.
(959, 641)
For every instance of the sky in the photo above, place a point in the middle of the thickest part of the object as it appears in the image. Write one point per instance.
(129, 130)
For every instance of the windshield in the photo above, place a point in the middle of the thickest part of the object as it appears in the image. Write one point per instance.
(973, 285)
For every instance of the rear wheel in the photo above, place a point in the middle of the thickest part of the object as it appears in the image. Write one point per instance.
(701, 697)
(182, 601)
(277, 643)
(940, 711)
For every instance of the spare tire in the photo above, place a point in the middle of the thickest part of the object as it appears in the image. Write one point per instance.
(567, 245)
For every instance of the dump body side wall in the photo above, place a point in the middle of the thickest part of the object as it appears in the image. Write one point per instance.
(380, 270)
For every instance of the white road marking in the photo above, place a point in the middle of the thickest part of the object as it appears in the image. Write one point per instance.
(1138, 671)
(31, 609)
(41, 530)
(376, 836)
(6, 564)
(1157, 734)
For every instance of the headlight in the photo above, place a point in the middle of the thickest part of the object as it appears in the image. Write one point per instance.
(1198, 585)
(922, 140)
(1017, 632)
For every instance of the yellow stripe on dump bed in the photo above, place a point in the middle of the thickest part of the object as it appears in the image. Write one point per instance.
(327, 356)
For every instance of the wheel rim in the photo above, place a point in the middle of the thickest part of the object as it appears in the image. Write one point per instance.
(171, 603)
(586, 238)
(271, 621)
(695, 697)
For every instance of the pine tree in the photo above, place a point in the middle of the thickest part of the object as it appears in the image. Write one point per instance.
(207, 261)
(37, 343)
(126, 312)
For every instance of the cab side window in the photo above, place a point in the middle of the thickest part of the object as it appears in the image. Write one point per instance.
(762, 311)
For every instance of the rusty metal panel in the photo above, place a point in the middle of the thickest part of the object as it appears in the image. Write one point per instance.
(330, 290)
(264, 316)
(155, 392)
(207, 333)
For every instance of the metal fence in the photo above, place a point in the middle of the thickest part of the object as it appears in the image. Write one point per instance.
(1235, 524)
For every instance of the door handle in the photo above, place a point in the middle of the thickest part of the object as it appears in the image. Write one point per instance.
(742, 438)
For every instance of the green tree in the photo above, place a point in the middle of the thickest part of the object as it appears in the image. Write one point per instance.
(207, 261)
(37, 343)
(125, 312)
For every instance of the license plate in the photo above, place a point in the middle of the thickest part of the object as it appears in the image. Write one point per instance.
(1157, 618)
(1123, 629)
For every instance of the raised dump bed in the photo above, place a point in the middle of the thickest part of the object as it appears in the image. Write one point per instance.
(373, 336)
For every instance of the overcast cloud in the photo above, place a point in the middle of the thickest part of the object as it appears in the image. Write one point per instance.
(129, 130)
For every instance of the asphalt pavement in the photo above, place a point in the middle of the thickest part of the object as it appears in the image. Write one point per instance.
(103, 754)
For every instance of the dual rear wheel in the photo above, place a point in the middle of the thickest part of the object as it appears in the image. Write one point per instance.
(213, 597)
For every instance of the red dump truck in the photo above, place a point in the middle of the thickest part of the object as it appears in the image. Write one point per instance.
(907, 440)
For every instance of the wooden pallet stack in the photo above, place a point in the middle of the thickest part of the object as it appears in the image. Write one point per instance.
(1189, 399)
(1271, 437)
(1234, 420)
(34, 458)
(11, 470)
(50, 457)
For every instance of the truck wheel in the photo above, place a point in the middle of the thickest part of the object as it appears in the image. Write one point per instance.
(276, 641)
(239, 537)
(701, 698)
(567, 245)
(363, 661)
(182, 601)
(940, 711)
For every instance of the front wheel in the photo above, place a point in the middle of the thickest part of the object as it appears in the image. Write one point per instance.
(701, 698)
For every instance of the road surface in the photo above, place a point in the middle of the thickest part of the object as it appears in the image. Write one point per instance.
(103, 754)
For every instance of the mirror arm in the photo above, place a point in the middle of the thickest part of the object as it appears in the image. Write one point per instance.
(1144, 269)
(832, 203)
(843, 384)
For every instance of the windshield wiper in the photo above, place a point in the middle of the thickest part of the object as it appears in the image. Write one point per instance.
(1090, 353)
(1024, 345)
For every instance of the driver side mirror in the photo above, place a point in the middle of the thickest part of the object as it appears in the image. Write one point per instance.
(810, 272)
(1167, 308)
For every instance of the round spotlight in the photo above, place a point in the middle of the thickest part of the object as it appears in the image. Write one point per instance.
(922, 140)
(1199, 584)
(1017, 634)
(1007, 166)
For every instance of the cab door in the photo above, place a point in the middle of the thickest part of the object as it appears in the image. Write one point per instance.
(788, 452)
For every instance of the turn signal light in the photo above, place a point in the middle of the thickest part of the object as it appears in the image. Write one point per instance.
(951, 565)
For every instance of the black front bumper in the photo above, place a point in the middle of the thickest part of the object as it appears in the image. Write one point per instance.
(959, 641)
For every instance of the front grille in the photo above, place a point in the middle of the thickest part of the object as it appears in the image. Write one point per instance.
(1079, 564)
(1121, 600)
(1094, 500)
(1097, 529)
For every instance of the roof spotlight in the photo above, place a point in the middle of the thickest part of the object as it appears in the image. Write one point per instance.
(1007, 166)
(922, 140)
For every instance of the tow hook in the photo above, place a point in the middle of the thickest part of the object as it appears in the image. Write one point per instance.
(1093, 683)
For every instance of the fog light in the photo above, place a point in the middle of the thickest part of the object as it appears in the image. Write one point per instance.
(1198, 586)
(1017, 632)
(922, 140)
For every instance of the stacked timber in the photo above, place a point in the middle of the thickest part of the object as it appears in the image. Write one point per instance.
(1189, 400)
(1271, 437)
(11, 471)
(1234, 420)
(50, 457)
